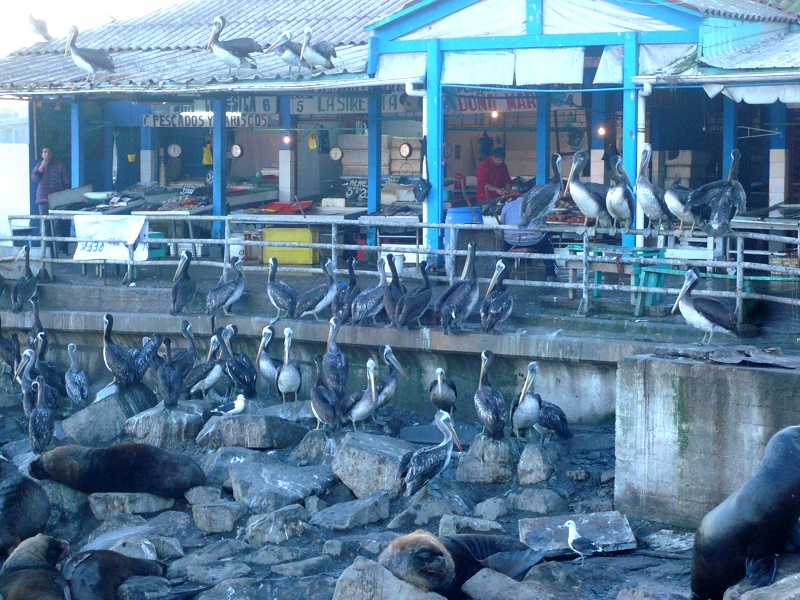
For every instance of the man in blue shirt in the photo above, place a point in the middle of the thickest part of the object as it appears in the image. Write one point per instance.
(534, 240)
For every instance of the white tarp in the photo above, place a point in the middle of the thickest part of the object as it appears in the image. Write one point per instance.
(610, 68)
(654, 57)
(536, 66)
(401, 65)
(115, 227)
(756, 94)
(478, 68)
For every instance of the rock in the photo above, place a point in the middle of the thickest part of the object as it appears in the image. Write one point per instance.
(216, 464)
(165, 428)
(214, 573)
(291, 411)
(537, 500)
(244, 588)
(665, 540)
(116, 527)
(488, 461)
(786, 585)
(250, 431)
(218, 517)
(275, 555)
(645, 592)
(609, 530)
(595, 505)
(136, 546)
(277, 527)
(315, 448)
(426, 506)
(365, 579)
(203, 494)
(266, 487)
(99, 424)
(212, 553)
(534, 466)
(349, 515)
(491, 585)
(578, 475)
(314, 504)
(607, 476)
(144, 588)
(452, 524)
(491, 509)
(69, 510)
(179, 525)
(304, 568)
(168, 548)
(103, 504)
(368, 463)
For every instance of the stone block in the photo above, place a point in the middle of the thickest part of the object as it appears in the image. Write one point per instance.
(453, 524)
(214, 573)
(349, 515)
(368, 463)
(368, 579)
(426, 506)
(216, 464)
(314, 449)
(609, 530)
(99, 424)
(277, 527)
(537, 500)
(251, 431)
(314, 504)
(291, 411)
(304, 568)
(136, 546)
(165, 428)
(488, 461)
(217, 551)
(218, 517)
(266, 487)
(491, 509)
(275, 555)
(242, 588)
(104, 504)
(203, 494)
(491, 585)
(534, 466)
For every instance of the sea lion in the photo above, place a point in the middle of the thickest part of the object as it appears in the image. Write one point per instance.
(96, 574)
(30, 571)
(24, 507)
(743, 535)
(442, 565)
(122, 468)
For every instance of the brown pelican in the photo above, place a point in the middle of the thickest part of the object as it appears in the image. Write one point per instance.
(676, 198)
(370, 302)
(343, 300)
(289, 379)
(239, 366)
(53, 374)
(530, 411)
(539, 200)
(25, 287)
(443, 392)
(186, 360)
(228, 292)
(25, 375)
(392, 292)
(320, 297)
(77, 383)
(651, 197)
(324, 400)
(418, 468)
(334, 364)
(318, 54)
(589, 197)
(234, 53)
(147, 355)
(722, 199)
(460, 299)
(579, 544)
(9, 350)
(282, 296)
(116, 357)
(42, 420)
(489, 402)
(205, 376)
(289, 51)
(360, 405)
(170, 382)
(184, 287)
(705, 314)
(36, 327)
(619, 199)
(39, 27)
(413, 305)
(498, 302)
(387, 387)
(88, 59)
(267, 365)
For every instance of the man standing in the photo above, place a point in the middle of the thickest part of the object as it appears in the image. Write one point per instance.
(51, 176)
(492, 176)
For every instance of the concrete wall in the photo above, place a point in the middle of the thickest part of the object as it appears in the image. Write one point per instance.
(689, 433)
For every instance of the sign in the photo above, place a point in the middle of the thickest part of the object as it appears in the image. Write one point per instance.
(110, 227)
(356, 191)
(242, 104)
(188, 190)
(342, 104)
(473, 102)
(206, 119)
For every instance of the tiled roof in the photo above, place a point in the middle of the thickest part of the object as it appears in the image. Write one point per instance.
(753, 10)
(781, 52)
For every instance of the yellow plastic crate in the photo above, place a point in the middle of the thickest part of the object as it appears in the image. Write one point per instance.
(291, 256)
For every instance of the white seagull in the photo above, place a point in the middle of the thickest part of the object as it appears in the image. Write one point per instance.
(579, 544)
(231, 408)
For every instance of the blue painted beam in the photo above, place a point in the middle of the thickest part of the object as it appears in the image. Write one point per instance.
(78, 143)
(435, 131)
(533, 16)
(542, 138)
(373, 51)
(629, 113)
(373, 160)
(729, 122)
(219, 148)
(777, 122)
(148, 140)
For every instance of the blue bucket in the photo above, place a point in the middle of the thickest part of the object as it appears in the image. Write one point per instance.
(460, 214)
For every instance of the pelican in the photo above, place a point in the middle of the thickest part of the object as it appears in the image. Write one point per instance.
(267, 365)
(186, 360)
(39, 27)
(530, 411)
(234, 53)
(282, 296)
(289, 51)
(619, 199)
(25, 287)
(42, 420)
(498, 302)
(705, 314)
(418, 468)
(651, 197)
(676, 198)
(540, 199)
(324, 400)
(413, 305)
(392, 292)
(579, 544)
(360, 405)
(589, 197)
(116, 357)
(76, 381)
(90, 60)
(489, 402)
(318, 54)
(370, 302)
(25, 376)
(443, 392)
(239, 366)
(387, 387)
(722, 199)
(184, 287)
(343, 300)
(205, 376)
(460, 299)
(320, 297)
(334, 363)
(289, 378)
(9, 350)
(170, 382)
(36, 327)
(147, 355)
(226, 293)
(53, 374)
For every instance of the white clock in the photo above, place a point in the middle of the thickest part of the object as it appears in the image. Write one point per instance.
(336, 153)
(174, 150)
(406, 150)
(236, 150)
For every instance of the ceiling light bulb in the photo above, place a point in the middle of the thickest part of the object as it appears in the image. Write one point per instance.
(495, 114)
(287, 139)
(601, 131)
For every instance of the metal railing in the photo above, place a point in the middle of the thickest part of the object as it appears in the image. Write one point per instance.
(625, 256)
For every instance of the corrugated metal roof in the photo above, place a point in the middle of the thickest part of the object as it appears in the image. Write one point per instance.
(781, 52)
(741, 9)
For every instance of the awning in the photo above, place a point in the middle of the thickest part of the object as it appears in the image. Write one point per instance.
(537, 66)
(756, 94)
(610, 68)
(655, 57)
(478, 68)
(399, 65)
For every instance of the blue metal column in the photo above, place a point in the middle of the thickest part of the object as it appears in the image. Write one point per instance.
(373, 160)
(543, 138)
(434, 124)
(629, 116)
(777, 171)
(219, 152)
(78, 161)
(728, 133)
(148, 153)
(287, 153)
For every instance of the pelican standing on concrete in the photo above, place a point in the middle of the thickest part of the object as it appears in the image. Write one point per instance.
(619, 199)
(360, 405)
(334, 363)
(540, 199)
(498, 302)
(320, 297)
(318, 54)
(25, 287)
(90, 60)
(225, 294)
(324, 400)
(460, 299)
(413, 305)
(184, 287)
(234, 53)
(267, 366)
(443, 392)
(370, 302)
(489, 402)
(416, 469)
(280, 294)
(76, 381)
(343, 300)
(649, 196)
(289, 51)
(289, 379)
(579, 544)
(706, 314)
(722, 199)
(589, 197)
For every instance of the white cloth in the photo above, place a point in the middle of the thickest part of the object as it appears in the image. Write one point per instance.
(110, 227)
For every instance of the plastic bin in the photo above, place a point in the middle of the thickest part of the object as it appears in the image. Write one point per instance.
(460, 214)
(156, 250)
(292, 256)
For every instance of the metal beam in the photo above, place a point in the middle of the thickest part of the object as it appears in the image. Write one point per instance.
(629, 148)
(533, 16)
(373, 160)
(728, 133)
(542, 138)
(434, 125)
(219, 152)
(77, 143)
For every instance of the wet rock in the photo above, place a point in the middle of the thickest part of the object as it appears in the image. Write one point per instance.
(168, 548)
(452, 524)
(218, 517)
(212, 553)
(786, 585)
(538, 501)
(116, 527)
(578, 475)
(488, 461)
(609, 530)
(370, 544)
(666, 540)
(266, 487)
(104, 504)
(69, 509)
(245, 588)
(366, 579)
(427, 505)
(595, 505)
(349, 515)
(214, 573)
(277, 527)
(216, 464)
(607, 476)
(178, 525)
(315, 448)
(646, 592)
(203, 494)
(534, 466)
(491, 585)
(491, 509)
(136, 546)
(250, 431)
(165, 428)
(275, 555)
(314, 504)
(144, 588)
(291, 411)
(304, 568)
(99, 424)
(367, 463)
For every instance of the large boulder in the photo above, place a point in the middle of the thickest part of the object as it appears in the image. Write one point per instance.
(349, 515)
(369, 463)
(251, 431)
(165, 428)
(489, 461)
(265, 487)
(365, 579)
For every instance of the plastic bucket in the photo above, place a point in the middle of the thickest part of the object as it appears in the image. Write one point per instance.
(237, 245)
(460, 214)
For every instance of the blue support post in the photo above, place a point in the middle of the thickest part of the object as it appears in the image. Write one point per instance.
(533, 17)
(435, 134)
(599, 117)
(728, 133)
(543, 138)
(219, 152)
(78, 161)
(373, 160)
(629, 116)
(287, 152)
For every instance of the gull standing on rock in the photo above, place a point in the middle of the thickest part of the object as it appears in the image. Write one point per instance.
(579, 544)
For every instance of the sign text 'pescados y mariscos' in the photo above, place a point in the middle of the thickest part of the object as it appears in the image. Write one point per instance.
(202, 119)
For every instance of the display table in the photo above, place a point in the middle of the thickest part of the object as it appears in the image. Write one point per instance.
(154, 214)
(397, 231)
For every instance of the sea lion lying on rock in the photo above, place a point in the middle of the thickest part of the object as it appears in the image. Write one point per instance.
(442, 565)
(24, 507)
(96, 574)
(30, 571)
(122, 468)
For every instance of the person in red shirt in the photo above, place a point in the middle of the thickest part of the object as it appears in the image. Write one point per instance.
(50, 176)
(492, 176)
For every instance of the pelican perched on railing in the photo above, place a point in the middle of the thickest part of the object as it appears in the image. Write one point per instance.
(460, 299)
(320, 297)
(676, 198)
(706, 314)
(76, 381)
(392, 292)
(370, 302)
(288, 51)
(267, 366)
(280, 294)
(413, 305)
(289, 379)
(360, 405)
(184, 287)
(25, 287)
(498, 302)
(225, 294)
(318, 54)
(343, 300)
(334, 363)
(90, 60)
(588, 196)
(417, 468)
(540, 199)
(234, 53)
(619, 199)
(722, 199)
(649, 196)
(443, 392)
(489, 402)
(324, 400)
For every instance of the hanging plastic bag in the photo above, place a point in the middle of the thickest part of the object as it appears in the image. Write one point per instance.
(208, 157)
(312, 140)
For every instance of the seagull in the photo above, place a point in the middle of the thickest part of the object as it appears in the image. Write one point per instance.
(579, 544)
(230, 408)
